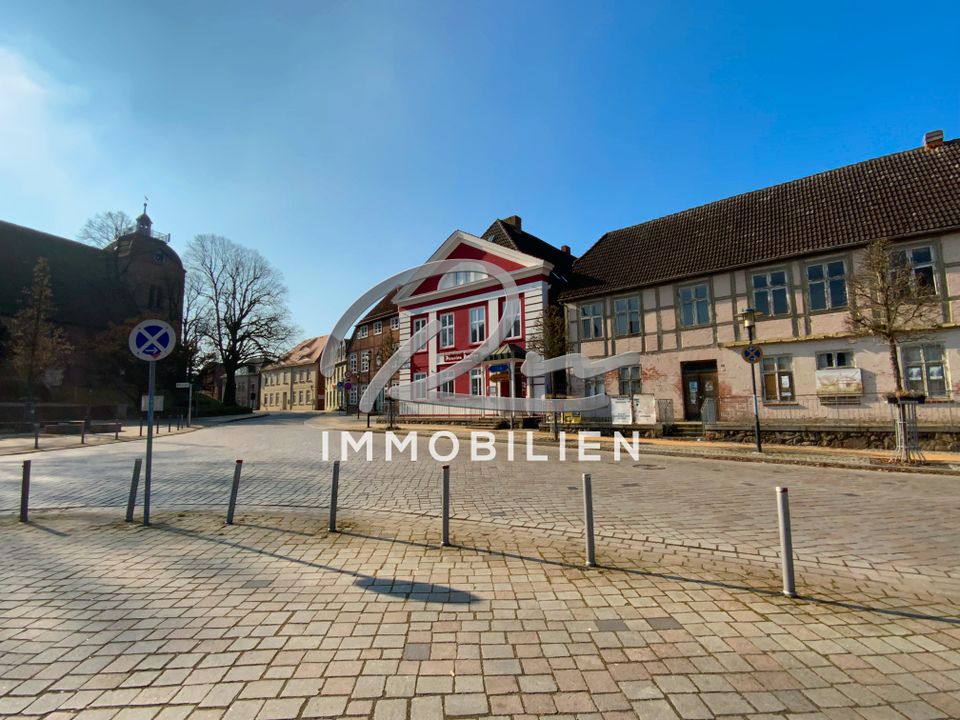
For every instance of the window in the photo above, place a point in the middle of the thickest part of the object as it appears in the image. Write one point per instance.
(419, 324)
(378, 360)
(377, 328)
(591, 321)
(478, 324)
(364, 361)
(419, 391)
(447, 387)
(778, 378)
(827, 285)
(395, 323)
(353, 362)
(363, 331)
(918, 260)
(626, 314)
(694, 305)
(156, 297)
(476, 381)
(300, 398)
(353, 395)
(455, 279)
(446, 330)
(593, 386)
(630, 380)
(924, 369)
(770, 293)
(835, 359)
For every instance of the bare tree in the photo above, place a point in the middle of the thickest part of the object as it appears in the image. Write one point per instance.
(892, 301)
(104, 228)
(37, 346)
(241, 305)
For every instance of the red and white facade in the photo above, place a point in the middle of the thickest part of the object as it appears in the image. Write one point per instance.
(468, 307)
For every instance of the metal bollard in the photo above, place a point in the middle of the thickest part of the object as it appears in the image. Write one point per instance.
(334, 490)
(36, 436)
(83, 434)
(169, 422)
(134, 482)
(786, 543)
(445, 537)
(25, 492)
(141, 426)
(233, 492)
(588, 518)
(116, 429)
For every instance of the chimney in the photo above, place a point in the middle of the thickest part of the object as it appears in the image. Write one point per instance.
(933, 139)
(565, 249)
(513, 220)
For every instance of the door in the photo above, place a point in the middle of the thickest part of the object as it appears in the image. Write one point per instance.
(700, 391)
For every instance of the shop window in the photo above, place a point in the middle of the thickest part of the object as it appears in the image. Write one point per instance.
(778, 379)
(626, 312)
(770, 294)
(694, 305)
(924, 369)
(827, 285)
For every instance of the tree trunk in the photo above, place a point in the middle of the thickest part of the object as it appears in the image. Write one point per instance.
(230, 386)
(895, 366)
(904, 450)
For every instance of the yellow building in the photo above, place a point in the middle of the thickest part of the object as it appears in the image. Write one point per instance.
(294, 383)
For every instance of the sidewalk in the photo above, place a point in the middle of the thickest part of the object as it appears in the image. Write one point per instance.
(936, 462)
(130, 431)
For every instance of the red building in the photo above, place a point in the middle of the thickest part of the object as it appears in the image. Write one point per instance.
(469, 305)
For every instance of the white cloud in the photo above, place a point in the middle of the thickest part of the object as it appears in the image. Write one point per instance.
(47, 149)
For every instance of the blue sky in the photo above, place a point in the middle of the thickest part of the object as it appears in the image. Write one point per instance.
(346, 140)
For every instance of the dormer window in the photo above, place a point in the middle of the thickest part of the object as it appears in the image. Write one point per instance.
(455, 279)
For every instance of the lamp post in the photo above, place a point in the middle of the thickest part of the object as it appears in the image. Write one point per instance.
(749, 319)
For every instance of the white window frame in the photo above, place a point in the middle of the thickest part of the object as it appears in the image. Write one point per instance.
(628, 313)
(365, 361)
(353, 362)
(419, 391)
(395, 323)
(478, 324)
(446, 339)
(514, 330)
(591, 323)
(476, 381)
(694, 302)
(832, 303)
(830, 359)
(925, 364)
(378, 327)
(768, 290)
(363, 331)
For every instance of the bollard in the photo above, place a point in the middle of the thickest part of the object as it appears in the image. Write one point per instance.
(36, 436)
(141, 426)
(169, 421)
(134, 482)
(116, 429)
(588, 517)
(786, 542)
(235, 488)
(25, 492)
(334, 489)
(83, 434)
(445, 538)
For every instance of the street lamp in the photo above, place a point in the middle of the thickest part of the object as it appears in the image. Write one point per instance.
(749, 319)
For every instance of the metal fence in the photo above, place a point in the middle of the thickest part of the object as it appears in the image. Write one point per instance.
(862, 409)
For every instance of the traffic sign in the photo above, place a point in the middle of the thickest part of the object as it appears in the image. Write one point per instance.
(752, 354)
(182, 386)
(347, 386)
(340, 385)
(152, 340)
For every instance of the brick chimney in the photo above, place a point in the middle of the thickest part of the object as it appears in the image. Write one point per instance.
(565, 249)
(513, 220)
(933, 139)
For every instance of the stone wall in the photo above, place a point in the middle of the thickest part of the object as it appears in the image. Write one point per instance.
(855, 438)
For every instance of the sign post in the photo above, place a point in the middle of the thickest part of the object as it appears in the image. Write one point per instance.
(188, 386)
(753, 354)
(151, 340)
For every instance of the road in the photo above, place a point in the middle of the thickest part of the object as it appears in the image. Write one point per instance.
(898, 528)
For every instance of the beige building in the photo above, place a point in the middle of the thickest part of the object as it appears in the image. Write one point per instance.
(294, 383)
(675, 288)
(335, 394)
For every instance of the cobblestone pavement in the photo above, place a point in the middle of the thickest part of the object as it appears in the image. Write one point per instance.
(273, 618)
(848, 525)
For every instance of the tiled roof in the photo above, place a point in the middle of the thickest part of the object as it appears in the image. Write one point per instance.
(894, 196)
(507, 235)
(382, 310)
(86, 288)
(304, 353)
